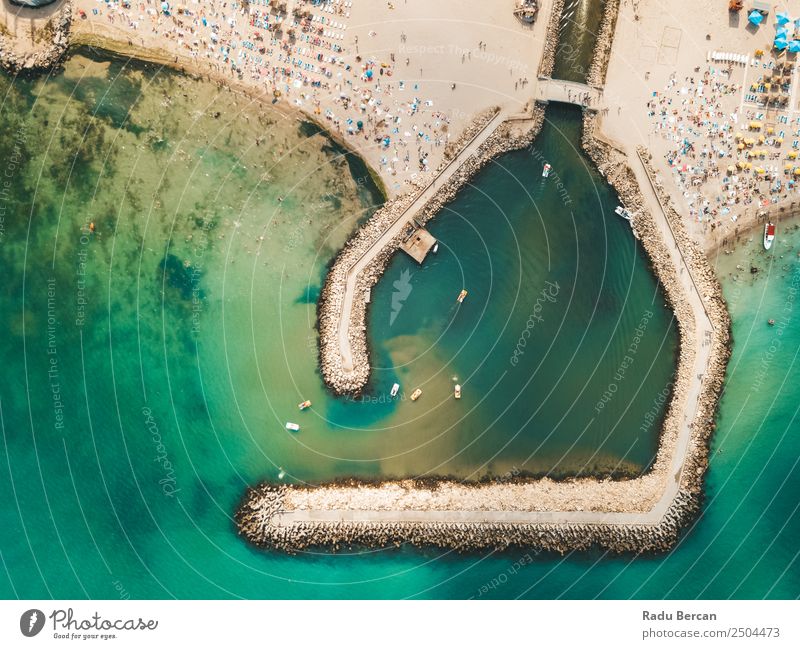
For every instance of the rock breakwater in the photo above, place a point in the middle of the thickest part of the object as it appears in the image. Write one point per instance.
(55, 37)
(618, 516)
(346, 368)
(596, 76)
(548, 60)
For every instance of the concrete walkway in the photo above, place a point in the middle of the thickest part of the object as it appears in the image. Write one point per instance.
(568, 92)
(703, 335)
(397, 227)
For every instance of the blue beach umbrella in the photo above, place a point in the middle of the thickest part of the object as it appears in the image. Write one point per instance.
(755, 17)
(783, 18)
(781, 32)
(794, 46)
(780, 43)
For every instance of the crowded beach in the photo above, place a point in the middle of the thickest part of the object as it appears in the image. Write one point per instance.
(394, 94)
(718, 89)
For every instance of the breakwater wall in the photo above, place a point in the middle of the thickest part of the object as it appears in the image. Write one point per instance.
(596, 75)
(560, 516)
(548, 60)
(613, 165)
(349, 376)
(55, 33)
(259, 517)
(644, 514)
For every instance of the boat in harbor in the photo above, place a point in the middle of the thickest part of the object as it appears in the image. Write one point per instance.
(461, 296)
(292, 426)
(457, 391)
(395, 389)
(769, 235)
(625, 214)
(435, 247)
(415, 394)
(546, 170)
(304, 405)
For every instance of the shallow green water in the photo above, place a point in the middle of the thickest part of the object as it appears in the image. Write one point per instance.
(150, 365)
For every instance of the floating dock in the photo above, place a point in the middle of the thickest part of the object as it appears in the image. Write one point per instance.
(417, 241)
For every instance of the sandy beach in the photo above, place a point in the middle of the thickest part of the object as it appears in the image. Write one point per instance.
(717, 107)
(395, 81)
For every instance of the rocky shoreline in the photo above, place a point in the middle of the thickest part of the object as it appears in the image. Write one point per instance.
(56, 32)
(548, 60)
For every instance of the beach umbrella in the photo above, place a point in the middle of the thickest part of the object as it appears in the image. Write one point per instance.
(780, 43)
(755, 17)
(783, 18)
(794, 46)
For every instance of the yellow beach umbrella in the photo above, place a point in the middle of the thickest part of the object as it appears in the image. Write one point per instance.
(738, 136)
(792, 155)
(796, 171)
(740, 164)
(787, 166)
(770, 130)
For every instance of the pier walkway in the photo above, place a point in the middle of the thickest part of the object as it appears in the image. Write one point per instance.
(396, 228)
(568, 92)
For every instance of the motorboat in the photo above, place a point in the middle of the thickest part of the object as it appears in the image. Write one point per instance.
(415, 394)
(546, 170)
(395, 389)
(621, 211)
(461, 296)
(435, 247)
(769, 235)
(292, 427)
(304, 405)
(457, 391)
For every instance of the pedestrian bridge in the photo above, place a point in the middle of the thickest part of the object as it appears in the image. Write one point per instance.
(569, 92)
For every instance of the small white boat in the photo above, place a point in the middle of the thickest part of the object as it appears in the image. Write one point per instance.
(292, 426)
(457, 391)
(546, 170)
(621, 211)
(415, 394)
(395, 389)
(769, 235)
(461, 296)
(304, 405)
(435, 247)
(281, 473)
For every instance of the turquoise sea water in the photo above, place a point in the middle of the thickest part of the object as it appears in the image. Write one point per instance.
(150, 364)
